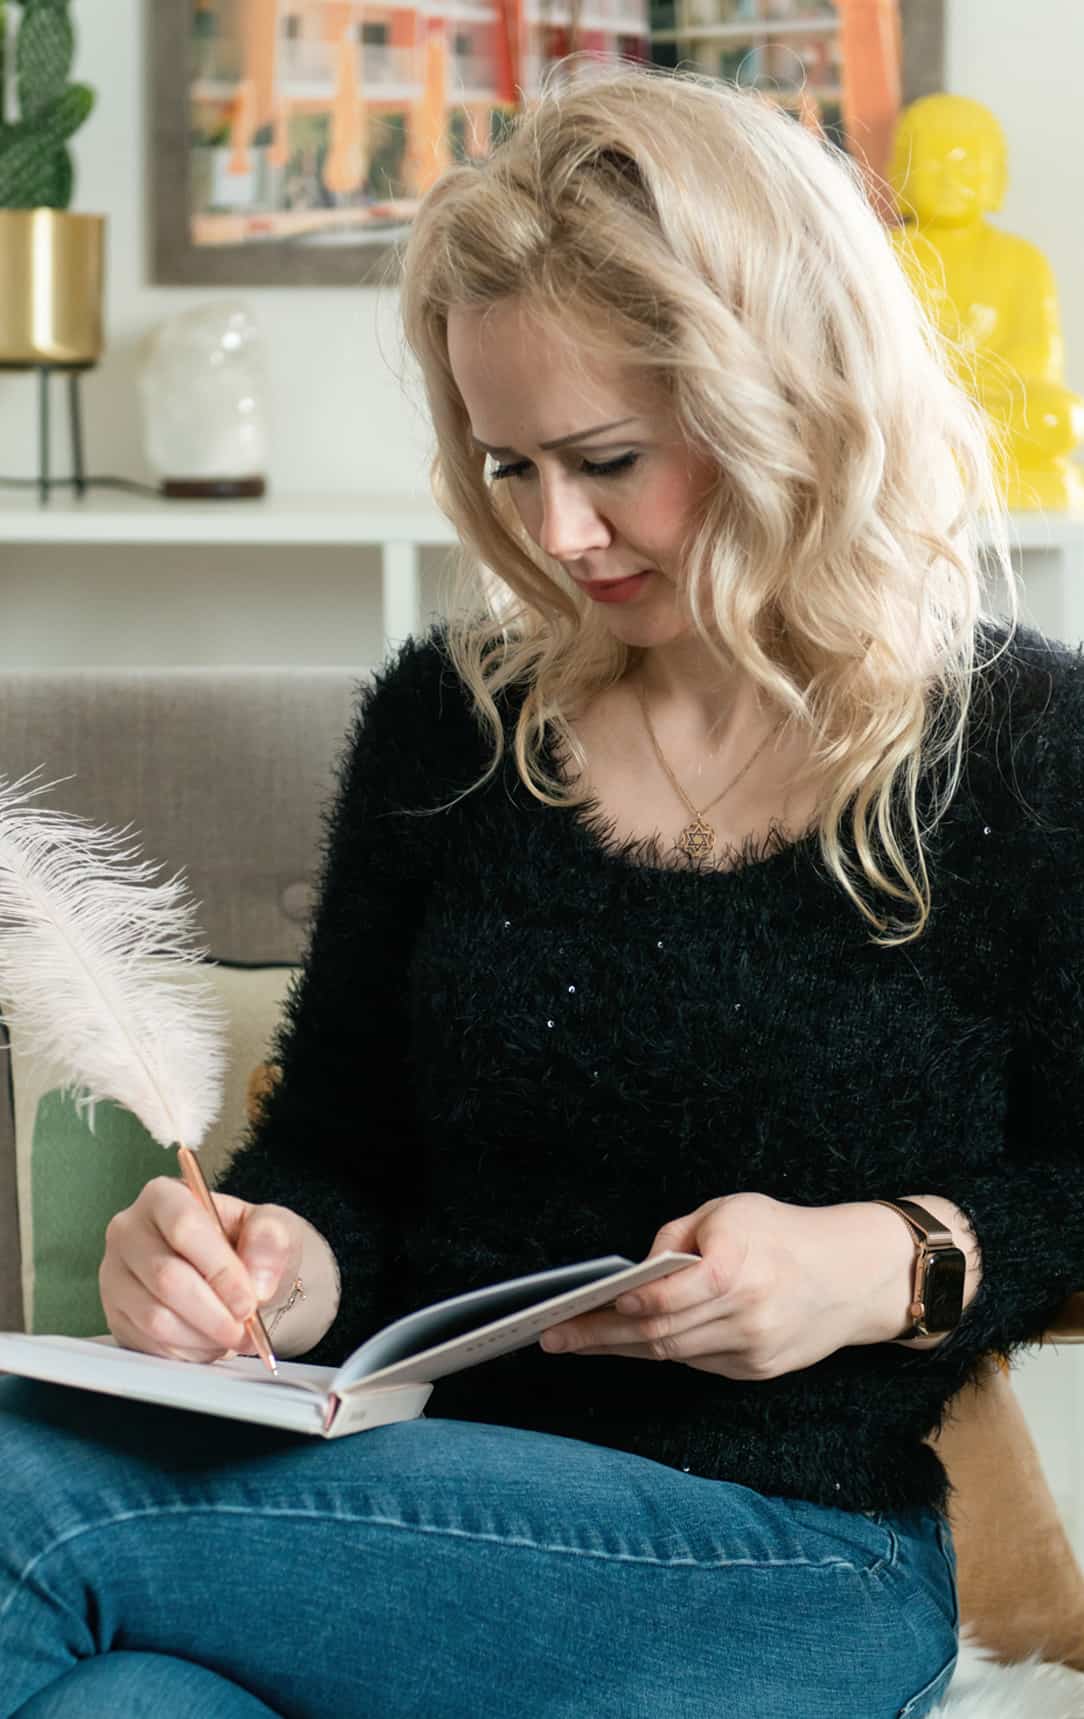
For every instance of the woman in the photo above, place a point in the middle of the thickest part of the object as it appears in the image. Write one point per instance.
(676, 896)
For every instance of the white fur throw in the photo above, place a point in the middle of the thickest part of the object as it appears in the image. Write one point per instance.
(982, 1689)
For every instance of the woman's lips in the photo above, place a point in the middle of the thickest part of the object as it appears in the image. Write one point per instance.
(616, 590)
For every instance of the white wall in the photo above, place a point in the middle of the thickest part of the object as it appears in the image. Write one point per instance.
(346, 407)
(1023, 59)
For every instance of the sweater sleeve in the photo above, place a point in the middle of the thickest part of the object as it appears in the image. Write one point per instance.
(335, 1139)
(1027, 1212)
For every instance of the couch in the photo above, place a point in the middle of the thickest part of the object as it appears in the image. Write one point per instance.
(223, 773)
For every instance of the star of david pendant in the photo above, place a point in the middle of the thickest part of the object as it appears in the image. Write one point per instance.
(696, 839)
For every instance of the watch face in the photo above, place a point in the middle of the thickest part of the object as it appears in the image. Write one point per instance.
(945, 1278)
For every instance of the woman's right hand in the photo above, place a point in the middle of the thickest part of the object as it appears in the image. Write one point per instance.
(172, 1285)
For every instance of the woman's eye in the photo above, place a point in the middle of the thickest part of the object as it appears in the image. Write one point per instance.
(607, 469)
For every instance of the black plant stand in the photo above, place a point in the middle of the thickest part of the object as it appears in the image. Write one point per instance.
(75, 424)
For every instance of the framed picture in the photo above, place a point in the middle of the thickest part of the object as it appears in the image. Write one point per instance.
(291, 140)
(845, 67)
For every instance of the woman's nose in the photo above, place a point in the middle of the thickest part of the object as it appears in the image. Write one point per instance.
(571, 526)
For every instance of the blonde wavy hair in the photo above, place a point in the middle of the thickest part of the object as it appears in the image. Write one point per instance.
(696, 234)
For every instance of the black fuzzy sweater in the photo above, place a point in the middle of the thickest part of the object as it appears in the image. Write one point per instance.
(517, 1042)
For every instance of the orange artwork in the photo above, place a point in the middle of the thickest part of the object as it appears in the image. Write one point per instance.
(296, 137)
(323, 122)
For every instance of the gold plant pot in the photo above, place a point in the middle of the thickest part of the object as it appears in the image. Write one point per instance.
(52, 271)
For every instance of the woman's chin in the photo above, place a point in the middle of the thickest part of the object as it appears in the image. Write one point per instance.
(646, 624)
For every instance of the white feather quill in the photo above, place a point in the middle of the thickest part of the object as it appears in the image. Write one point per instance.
(98, 970)
(99, 977)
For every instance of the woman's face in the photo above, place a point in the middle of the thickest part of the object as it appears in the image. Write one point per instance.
(608, 504)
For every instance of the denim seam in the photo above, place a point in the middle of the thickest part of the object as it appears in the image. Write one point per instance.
(890, 1559)
(420, 1528)
(894, 1543)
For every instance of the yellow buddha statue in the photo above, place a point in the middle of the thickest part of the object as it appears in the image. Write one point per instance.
(992, 293)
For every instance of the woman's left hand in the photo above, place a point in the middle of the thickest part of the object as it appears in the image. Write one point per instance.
(778, 1287)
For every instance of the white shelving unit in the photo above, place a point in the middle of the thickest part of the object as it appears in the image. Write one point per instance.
(399, 525)
(1050, 547)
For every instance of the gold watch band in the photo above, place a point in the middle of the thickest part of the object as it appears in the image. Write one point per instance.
(928, 1232)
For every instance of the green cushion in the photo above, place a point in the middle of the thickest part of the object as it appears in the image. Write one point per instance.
(78, 1179)
(73, 1177)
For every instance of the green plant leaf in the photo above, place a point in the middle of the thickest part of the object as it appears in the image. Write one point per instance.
(44, 49)
(61, 179)
(25, 178)
(75, 107)
(30, 177)
(36, 181)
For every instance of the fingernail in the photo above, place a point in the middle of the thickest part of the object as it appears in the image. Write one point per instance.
(263, 1282)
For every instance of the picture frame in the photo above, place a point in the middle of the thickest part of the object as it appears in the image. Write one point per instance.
(844, 68)
(200, 145)
(923, 24)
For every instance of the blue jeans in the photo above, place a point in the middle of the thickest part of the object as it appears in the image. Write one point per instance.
(154, 1562)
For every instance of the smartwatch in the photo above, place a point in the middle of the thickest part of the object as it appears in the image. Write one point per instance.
(937, 1300)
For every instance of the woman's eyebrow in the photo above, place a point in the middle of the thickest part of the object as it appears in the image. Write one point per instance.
(562, 441)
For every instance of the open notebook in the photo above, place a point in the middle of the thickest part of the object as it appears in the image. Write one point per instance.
(389, 1378)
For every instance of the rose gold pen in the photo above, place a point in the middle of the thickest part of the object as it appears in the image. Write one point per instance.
(195, 1181)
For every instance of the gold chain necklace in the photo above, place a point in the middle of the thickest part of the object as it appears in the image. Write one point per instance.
(697, 839)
